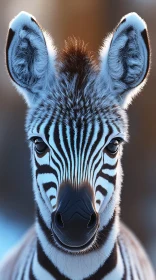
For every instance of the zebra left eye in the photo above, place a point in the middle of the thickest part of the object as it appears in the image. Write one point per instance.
(113, 145)
(40, 146)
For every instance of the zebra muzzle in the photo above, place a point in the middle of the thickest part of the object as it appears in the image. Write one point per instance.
(75, 221)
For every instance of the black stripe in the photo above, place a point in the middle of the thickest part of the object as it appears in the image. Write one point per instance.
(49, 185)
(44, 169)
(79, 129)
(131, 273)
(78, 147)
(96, 166)
(113, 122)
(98, 201)
(59, 147)
(124, 277)
(104, 233)
(48, 125)
(94, 146)
(45, 229)
(108, 266)
(110, 131)
(110, 167)
(25, 266)
(34, 118)
(59, 159)
(52, 197)
(41, 110)
(31, 275)
(42, 120)
(48, 265)
(102, 190)
(85, 127)
(72, 134)
(55, 163)
(66, 144)
(87, 146)
(110, 179)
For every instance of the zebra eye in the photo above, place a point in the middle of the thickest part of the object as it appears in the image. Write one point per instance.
(113, 145)
(40, 146)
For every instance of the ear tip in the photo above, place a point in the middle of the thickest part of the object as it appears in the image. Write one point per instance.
(23, 13)
(135, 20)
(22, 17)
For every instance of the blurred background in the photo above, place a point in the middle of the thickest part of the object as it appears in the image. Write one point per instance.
(90, 20)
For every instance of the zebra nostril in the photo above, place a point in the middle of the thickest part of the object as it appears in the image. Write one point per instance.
(58, 220)
(92, 221)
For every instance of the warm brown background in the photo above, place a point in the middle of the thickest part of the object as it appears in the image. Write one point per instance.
(91, 20)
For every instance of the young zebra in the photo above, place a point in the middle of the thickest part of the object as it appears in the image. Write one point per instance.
(76, 126)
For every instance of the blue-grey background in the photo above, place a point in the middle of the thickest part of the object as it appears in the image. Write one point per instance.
(91, 20)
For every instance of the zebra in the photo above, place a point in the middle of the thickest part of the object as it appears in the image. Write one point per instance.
(76, 127)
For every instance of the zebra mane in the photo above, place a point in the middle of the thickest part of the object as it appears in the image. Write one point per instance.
(75, 59)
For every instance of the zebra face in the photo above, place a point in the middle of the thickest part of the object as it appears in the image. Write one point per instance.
(75, 166)
(76, 124)
(77, 154)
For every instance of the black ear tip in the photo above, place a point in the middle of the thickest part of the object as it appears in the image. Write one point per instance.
(145, 37)
(11, 34)
(124, 20)
(32, 19)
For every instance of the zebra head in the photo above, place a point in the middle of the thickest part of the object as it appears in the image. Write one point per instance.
(77, 123)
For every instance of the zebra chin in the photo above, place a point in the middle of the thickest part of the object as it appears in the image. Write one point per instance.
(75, 221)
(76, 250)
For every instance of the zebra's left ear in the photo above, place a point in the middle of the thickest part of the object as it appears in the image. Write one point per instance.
(125, 59)
(30, 57)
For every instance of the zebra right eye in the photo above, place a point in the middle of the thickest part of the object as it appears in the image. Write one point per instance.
(40, 146)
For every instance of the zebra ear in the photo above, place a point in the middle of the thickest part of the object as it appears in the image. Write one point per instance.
(125, 59)
(30, 57)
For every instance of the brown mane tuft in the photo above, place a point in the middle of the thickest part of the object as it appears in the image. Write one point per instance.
(77, 60)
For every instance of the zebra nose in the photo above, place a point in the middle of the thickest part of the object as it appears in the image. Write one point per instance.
(75, 228)
(75, 221)
(80, 220)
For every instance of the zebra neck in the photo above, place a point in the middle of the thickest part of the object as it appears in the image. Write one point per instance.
(103, 260)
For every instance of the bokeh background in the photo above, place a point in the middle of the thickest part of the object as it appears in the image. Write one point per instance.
(90, 20)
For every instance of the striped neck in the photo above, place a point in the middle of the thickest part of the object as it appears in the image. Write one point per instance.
(101, 262)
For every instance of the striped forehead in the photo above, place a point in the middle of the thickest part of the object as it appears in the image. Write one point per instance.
(52, 128)
(68, 106)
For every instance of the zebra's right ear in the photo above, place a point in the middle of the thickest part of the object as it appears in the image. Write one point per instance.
(30, 57)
